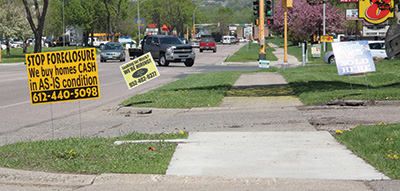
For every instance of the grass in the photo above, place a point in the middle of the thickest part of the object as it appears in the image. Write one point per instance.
(296, 50)
(320, 84)
(92, 155)
(201, 90)
(249, 53)
(17, 55)
(378, 144)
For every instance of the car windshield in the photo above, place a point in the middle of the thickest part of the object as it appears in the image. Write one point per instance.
(112, 46)
(170, 40)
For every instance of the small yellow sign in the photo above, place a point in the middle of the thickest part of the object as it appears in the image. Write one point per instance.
(326, 38)
(63, 76)
(139, 71)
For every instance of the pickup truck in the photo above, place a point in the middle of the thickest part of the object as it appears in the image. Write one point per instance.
(97, 42)
(353, 38)
(165, 49)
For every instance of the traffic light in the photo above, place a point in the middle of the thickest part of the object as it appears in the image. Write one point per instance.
(256, 8)
(269, 7)
(270, 21)
(256, 22)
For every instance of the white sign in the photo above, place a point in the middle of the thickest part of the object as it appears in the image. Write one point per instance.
(352, 14)
(248, 31)
(353, 57)
(232, 28)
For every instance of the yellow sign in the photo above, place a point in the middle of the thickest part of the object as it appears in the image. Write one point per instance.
(287, 3)
(62, 76)
(139, 71)
(326, 38)
(376, 11)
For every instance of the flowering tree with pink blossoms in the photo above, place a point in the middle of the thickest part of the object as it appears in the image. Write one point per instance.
(305, 20)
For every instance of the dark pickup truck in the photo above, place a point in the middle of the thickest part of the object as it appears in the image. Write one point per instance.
(353, 38)
(165, 49)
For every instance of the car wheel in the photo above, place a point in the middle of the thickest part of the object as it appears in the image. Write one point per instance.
(189, 63)
(201, 50)
(163, 61)
(331, 60)
(215, 50)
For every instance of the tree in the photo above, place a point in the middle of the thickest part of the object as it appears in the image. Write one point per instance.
(113, 8)
(13, 24)
(40, 16)
(305, 20)
(174, 13)
(84, 14)
(54, 19)
(224, 17)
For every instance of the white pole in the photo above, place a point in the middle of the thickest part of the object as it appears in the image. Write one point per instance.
(324, 25)
(139, 22)
(304, 53)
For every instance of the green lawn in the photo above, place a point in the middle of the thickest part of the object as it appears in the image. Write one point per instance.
(320, 84)
(378, 144)
(250, 52)
(296, 50)
(93, 155)
(201, 90)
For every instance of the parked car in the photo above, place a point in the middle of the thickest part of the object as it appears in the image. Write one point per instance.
(208, 43)
(377, 49)
(236, 40)
(3, 45)
(50, 42)
(112, 51)
(241, 39)
(194, 43)
(16, 44)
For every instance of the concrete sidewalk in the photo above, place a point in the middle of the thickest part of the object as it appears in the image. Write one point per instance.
(298, 152)
(245, 144)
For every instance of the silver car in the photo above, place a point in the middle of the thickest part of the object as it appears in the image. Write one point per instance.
(112, 51)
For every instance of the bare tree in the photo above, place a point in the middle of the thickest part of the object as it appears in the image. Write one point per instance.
(37, 30)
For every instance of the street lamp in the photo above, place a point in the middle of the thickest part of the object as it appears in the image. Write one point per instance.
(194, 19)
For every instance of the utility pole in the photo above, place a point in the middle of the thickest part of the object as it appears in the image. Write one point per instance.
(286, 4)
(262, 55)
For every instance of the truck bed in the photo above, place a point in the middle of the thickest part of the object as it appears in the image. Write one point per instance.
(134, 53)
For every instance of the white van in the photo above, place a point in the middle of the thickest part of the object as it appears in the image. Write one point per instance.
(227, 39)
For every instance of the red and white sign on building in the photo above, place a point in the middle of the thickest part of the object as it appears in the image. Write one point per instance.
(348, 1)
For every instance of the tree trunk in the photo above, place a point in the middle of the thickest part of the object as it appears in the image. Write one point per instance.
(8, 47)
(37, 31)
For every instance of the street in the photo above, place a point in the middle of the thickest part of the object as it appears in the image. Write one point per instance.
(18, 114)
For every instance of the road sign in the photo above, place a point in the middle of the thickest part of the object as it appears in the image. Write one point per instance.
(141, 22)
(326, 38)
(352, 15)
(139, 71)
(63, 76)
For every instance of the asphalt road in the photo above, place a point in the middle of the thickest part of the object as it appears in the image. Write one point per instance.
(17, 113)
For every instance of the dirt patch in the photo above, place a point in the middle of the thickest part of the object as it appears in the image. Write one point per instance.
(336, 117)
